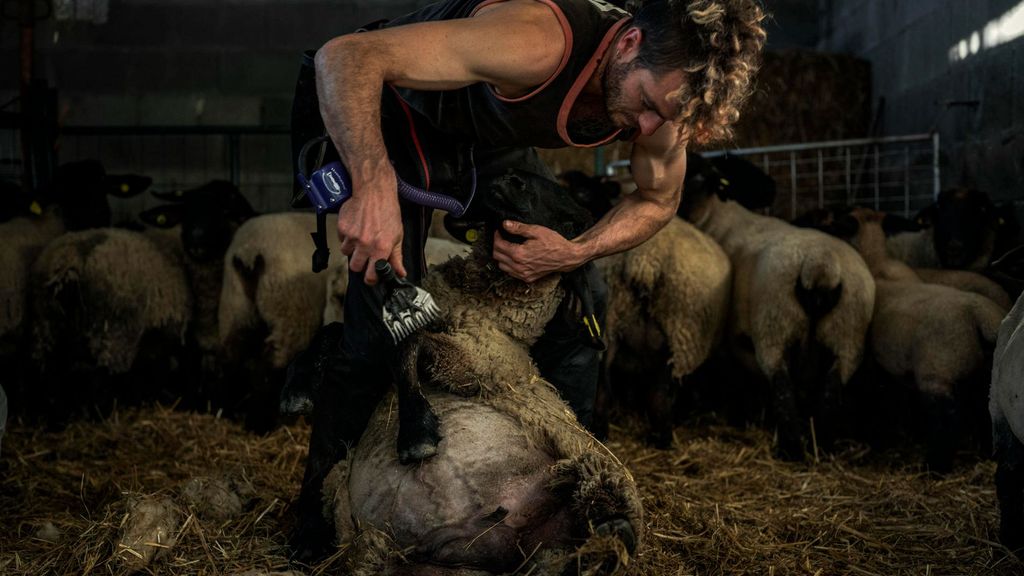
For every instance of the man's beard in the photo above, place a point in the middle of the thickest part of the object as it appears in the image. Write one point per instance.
(611, 83)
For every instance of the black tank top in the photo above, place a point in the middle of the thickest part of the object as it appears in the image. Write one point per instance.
(477, 114)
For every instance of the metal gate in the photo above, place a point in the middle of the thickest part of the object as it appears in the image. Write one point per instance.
(898, 174)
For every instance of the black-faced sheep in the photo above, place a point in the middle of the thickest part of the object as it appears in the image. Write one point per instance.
(938, 335)
(1006, 407)
(965, 231)
(525, 483)
(801, 305)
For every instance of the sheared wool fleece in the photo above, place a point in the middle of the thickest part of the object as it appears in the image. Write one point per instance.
(671, 291)
(150, 531)
(110, 287)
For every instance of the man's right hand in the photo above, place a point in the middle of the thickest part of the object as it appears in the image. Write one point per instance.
(370, 229)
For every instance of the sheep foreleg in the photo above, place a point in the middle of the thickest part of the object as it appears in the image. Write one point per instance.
(418, 426)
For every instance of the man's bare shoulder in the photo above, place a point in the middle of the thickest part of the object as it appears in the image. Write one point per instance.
(533, 39)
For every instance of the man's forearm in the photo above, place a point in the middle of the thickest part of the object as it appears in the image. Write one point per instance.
(635, 219)
(349, 84)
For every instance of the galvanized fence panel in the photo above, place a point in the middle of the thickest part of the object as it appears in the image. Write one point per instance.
(898, 174)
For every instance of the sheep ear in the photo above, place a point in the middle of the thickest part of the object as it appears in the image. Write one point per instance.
(127, 185)
(893, 224)
(166, 216)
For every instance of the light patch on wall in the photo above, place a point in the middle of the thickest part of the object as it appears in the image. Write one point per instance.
(1006, 28)
(94, 11)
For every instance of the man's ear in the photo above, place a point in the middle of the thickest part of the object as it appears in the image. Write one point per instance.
(628, 45)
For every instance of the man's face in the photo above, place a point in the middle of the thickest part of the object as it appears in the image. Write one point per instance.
(637, 98)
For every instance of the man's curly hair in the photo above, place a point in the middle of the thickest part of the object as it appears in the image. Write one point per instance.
(717, 44)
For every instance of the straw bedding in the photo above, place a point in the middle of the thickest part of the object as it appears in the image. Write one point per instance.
(717, 503)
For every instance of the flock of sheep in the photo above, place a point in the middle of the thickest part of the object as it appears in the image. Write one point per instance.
(820, 308)
(207, 303)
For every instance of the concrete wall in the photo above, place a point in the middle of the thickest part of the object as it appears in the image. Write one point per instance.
(933, 77)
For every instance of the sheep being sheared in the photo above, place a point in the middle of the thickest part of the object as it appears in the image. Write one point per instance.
(524, 484)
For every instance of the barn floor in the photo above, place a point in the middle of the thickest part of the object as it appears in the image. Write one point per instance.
(717, 503)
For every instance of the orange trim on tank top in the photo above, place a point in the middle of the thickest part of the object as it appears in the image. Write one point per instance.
(581, 82)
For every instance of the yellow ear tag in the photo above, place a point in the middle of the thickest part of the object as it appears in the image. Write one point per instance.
(472, 235)
(179, 193)
(724, 181)
(125, 187)
(35, 208)
(161, 219)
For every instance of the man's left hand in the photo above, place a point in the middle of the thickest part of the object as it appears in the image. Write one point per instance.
(542, 252)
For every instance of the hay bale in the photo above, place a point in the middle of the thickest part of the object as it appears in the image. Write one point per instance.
(150, 530)
(805, 96)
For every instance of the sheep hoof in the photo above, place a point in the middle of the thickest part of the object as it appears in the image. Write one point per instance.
(620, 528)
(418, 438)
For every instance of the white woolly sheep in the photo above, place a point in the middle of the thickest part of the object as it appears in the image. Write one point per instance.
(801, 301)
(1006, 406)
(268, 280)
(668, 299)
(271, 305)
(77, 200)
(99, 299)
(937, 334)
(98, 295)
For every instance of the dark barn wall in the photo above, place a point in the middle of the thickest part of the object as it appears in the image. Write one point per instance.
(932, 76)
(185, 62)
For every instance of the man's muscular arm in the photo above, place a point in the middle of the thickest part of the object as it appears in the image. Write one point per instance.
(514, 46)
(658, 163)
